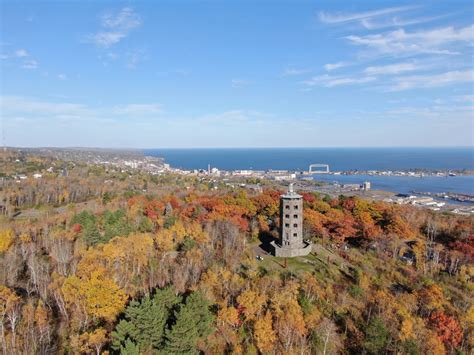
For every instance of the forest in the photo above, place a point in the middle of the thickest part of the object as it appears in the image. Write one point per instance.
(103, 261)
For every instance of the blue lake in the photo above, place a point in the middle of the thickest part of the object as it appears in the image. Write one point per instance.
(402, 184)
(339, 159)
(301, 158)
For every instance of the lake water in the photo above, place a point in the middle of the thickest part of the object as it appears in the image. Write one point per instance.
(301, 158)
(404, 184)
(339, 159)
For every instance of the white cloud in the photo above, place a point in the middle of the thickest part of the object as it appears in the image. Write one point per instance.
(138, 109)
(125, 19)
(295, 71)
(21, 57)
(391, 69)
(62, 77)
(107, 39)
(448, 112)
(465, 98)
(112, 55)
(340, 18)
(333, 81)
(349, 81)
(19, 104)
(438, 41)
(24, 106)
(396, 22)
(334, 66)
(430, 81)
(135, 57)
(21, 53)
(115, 27)
(29, 64)
(182, 72)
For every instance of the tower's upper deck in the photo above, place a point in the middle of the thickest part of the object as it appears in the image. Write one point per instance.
(290, 194)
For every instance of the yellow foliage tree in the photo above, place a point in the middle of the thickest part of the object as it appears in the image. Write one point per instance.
(265, 336)
(6, 239)
(432, 344)
(229, 316)
(87, 343)
(127, 258)
(252, 303)
(195, 232)
(430, 297)
(219, 283)
(97, 339)
(98, 296)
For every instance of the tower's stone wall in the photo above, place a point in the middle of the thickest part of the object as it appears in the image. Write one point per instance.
(291, 221)
(291, 241)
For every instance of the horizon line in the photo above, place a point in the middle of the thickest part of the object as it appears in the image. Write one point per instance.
(249, 147)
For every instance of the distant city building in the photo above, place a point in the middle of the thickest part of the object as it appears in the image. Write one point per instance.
(284, 177)
(243, 172)
(351, 187)
(311, 169)
(291, 241)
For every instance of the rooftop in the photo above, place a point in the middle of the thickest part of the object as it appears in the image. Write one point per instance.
(291, 193)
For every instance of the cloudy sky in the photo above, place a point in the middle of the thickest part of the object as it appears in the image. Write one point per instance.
(236, 73)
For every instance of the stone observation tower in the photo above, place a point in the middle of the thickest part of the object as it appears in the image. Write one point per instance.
(291, 241)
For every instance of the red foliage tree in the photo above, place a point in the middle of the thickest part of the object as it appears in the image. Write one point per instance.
(465, 247)
(447, 328)
(77, 228)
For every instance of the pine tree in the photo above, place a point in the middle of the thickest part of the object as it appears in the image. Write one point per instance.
(145, 321)
(124, 331)
(130, 348)
(376, 337)
(193, 321)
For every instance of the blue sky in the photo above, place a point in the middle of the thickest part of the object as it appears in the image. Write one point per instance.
(237, 73)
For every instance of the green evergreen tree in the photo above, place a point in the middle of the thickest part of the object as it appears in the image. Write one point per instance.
(193, 322)
(130, 348)
(145, 321)
(124, 331)
(376, 337)
(115, 224)
(90, 231)
(410, 347)
(146, 225)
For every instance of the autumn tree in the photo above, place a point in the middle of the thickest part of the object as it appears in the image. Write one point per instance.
(93, 298)
(6, 239)
(447, 328)
(265, 336)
